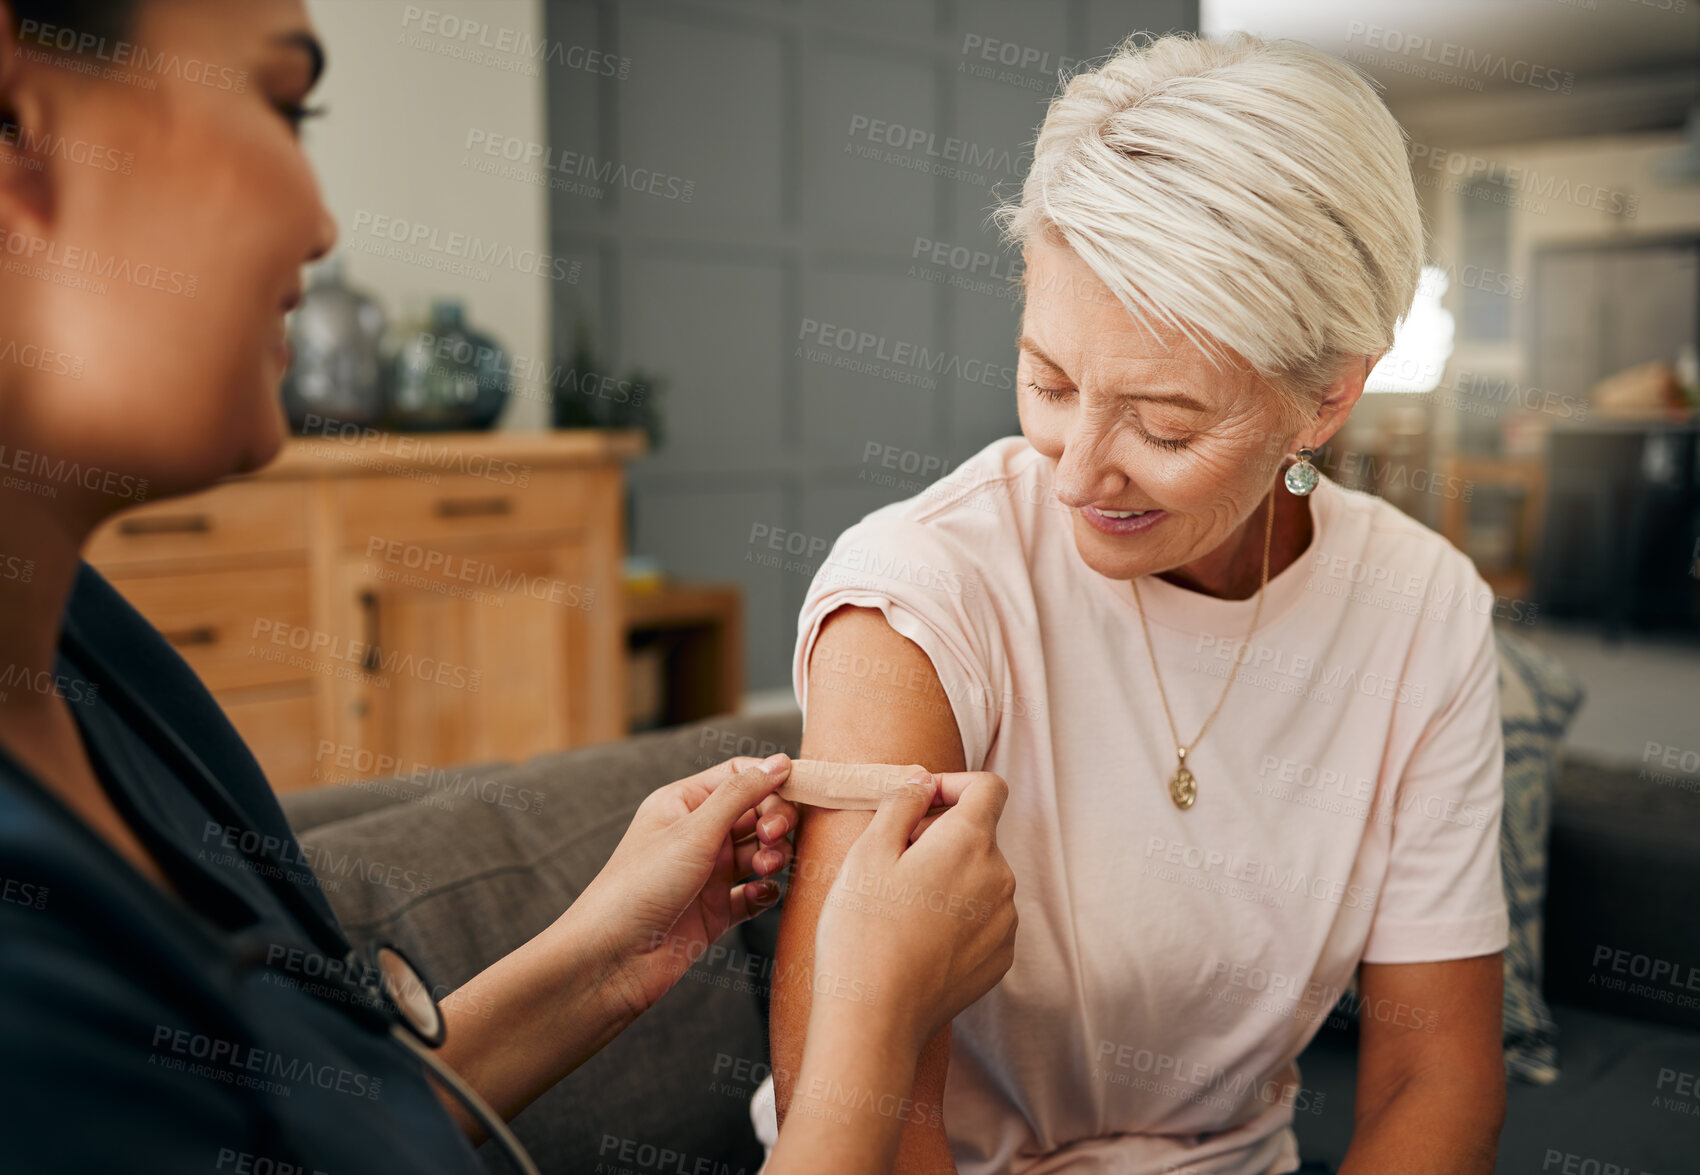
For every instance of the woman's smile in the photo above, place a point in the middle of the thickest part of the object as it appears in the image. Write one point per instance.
(1121, 522)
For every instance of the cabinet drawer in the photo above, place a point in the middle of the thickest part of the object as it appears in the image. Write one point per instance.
(238, 518)
(223, 622)
(374, 512)
(280, 733)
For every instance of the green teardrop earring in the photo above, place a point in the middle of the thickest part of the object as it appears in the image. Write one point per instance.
(1302, 477)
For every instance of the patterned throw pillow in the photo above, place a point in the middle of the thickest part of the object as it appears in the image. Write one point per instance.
(1537, 699)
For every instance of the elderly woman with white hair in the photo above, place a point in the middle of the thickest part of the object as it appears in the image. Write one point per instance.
(1252, 741)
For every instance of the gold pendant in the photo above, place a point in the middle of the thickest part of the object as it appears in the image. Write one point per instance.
(1183, 788)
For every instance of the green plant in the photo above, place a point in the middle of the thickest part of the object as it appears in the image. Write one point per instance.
(586, 394)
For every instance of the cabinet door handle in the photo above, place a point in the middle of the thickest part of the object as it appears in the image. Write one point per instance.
(369, 620)
(473, 507)
(202, 634)
(166, 524)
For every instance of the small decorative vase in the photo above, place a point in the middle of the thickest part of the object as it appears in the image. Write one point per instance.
(336, 371)
(447, 376)
(493, 365)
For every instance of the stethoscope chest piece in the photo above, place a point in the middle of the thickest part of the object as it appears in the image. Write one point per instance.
(407, 992)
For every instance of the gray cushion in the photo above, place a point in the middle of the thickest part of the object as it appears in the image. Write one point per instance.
(445, 789)
(456, 898)
(1624, 936)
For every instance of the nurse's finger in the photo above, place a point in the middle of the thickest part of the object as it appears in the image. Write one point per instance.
(981, 791)
(774, 818)
(744, 827)
(731, 798)
(694, 790)
(899, 811)
(754, 857)
(751, 898)
(952, 784)
(770, 820)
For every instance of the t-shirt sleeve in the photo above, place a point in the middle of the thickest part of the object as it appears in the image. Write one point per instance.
(930, 590)
(1444, 897)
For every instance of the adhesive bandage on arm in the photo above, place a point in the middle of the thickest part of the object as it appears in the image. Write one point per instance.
(844, 785)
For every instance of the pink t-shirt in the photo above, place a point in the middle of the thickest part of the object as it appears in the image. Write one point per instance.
(1172, 964)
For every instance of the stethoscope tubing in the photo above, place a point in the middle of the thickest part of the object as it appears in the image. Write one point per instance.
(480, 1109)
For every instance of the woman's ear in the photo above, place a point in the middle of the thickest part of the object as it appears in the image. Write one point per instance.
(1338, 400)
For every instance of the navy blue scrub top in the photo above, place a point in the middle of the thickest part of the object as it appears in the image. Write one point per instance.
(137, 1033)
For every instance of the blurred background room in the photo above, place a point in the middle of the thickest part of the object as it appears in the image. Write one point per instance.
(748, 244)
(711, 221)
(637, 306)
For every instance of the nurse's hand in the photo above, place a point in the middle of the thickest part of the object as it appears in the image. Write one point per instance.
(920, 921)
(694, 863)
(676, 882)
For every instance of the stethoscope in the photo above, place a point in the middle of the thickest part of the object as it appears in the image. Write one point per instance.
(383, 991)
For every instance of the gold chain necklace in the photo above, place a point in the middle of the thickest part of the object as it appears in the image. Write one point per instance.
(1183, 788)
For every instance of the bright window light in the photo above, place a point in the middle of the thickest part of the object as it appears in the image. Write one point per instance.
(1421, 344)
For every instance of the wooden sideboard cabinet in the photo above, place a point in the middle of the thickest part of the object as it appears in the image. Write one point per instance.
(391, 602)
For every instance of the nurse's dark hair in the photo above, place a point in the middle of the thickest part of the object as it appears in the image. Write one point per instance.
(109, 19)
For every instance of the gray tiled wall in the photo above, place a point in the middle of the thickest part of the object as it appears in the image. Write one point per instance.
(764, 109)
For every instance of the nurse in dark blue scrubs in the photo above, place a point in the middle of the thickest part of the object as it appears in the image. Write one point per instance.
(175, 993)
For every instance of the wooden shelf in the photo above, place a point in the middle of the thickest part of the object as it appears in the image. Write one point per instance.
(362, 453)
(699, 629)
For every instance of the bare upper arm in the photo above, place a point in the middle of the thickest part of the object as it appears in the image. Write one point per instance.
(857, 713)
(1414, 1017)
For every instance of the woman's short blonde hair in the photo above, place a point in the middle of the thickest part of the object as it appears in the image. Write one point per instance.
(1254, 195)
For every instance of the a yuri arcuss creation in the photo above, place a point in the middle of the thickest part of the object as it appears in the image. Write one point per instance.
(1130, 613)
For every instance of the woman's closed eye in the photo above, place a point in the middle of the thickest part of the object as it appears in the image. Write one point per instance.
(1059, 395)
(1055, 395)
(1170, 443)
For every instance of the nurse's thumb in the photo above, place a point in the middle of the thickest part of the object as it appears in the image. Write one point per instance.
(732, 797)
(900, 810)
